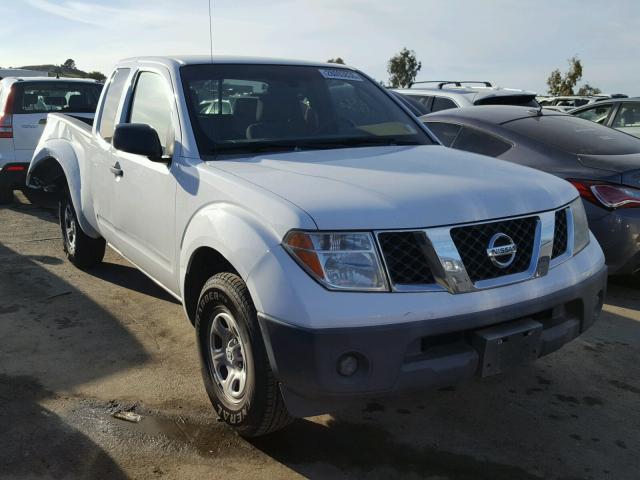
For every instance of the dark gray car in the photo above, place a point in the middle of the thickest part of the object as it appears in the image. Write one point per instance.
(620, 113)
(602, 163)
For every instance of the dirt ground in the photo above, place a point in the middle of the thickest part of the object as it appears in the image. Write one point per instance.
(76, 346)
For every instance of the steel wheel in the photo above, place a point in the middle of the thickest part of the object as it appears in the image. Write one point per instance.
(227, 356)
(70, 229)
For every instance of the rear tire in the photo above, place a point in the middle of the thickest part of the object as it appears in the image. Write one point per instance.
(235, 366)
(82, 250)
(6, 195)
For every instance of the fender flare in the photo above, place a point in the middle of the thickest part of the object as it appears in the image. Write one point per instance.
(62, 152)
(243, 240)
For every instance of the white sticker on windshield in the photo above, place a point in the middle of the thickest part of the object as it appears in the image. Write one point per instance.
(340, 74)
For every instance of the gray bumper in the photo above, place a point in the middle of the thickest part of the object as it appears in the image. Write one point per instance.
(405, 357)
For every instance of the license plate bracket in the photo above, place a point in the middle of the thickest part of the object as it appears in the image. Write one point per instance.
(507, 345)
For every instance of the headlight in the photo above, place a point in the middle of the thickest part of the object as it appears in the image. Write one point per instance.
(340, 261)
(580, 226)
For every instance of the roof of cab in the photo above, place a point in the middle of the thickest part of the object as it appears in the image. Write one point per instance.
(180, 60)
(496, 114)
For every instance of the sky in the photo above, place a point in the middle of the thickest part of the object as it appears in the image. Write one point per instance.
(512, 43)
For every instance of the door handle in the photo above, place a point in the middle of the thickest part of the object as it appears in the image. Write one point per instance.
(116, 170)
(42, 121)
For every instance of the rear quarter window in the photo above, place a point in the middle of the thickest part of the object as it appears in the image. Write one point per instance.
(472, 140)
(445, 132)
(442, 103)
(575, 135)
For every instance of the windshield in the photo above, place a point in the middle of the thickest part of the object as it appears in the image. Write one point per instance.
(250, 108)
(575, 135)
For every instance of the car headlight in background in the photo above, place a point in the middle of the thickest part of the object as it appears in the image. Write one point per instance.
(580, 225)
(339, 260)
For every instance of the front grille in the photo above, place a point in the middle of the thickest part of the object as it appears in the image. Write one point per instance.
(560, 233)
(404, 254)
(472, 243)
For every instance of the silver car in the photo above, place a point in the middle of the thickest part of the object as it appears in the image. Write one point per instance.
(620, 113)
(435, 95)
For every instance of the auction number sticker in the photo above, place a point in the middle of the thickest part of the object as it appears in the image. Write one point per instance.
(340, 74)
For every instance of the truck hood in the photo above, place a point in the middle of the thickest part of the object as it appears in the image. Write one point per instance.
(399, 187)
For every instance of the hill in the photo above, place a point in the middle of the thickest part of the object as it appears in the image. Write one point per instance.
(63, 71)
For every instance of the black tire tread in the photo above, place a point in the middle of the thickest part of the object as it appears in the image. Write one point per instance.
(89, 251)
(275, 415)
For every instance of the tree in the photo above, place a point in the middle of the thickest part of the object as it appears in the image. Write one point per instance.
(560, 84)
(336, 60)
(588, 91)
(69, 64)
(403, 69)
(99, 76)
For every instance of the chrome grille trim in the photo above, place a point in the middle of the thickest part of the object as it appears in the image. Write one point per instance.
(450, 273)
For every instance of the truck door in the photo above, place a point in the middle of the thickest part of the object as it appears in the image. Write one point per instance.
(101, 160)
(143, 204)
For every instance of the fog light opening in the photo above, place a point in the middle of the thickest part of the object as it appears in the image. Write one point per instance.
(348, 364)
(599, 303)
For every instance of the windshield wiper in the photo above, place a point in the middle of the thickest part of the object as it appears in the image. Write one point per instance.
(310, 144)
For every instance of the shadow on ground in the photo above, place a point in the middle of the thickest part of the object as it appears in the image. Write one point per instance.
(130, 278)
(37, 443)
(53, 332)
(35, 203)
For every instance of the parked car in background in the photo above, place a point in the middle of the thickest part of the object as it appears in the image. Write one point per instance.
(324, 245)
(620, 113)
(566, 103)
(603, 164)
(444, 95)
(24, 105)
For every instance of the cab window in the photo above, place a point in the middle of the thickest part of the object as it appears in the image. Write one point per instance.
(107, 119)
(151, 106)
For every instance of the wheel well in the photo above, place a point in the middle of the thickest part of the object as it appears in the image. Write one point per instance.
(49, 175)
(205, 263)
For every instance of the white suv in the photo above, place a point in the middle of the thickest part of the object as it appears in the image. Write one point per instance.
(458, 93)
(24, 105)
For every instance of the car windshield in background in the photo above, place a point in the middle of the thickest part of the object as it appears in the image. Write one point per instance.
(45, 97)
(240, 108)
(575, 135)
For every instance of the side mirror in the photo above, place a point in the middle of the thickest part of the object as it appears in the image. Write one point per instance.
(139, 139)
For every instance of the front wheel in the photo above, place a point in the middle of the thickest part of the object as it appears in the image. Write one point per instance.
(235, 367)
(81, 249)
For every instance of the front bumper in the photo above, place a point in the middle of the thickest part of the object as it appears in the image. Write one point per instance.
(13, 175)
(416, 355)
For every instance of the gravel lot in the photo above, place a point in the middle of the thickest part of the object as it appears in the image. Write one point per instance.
(76, 346)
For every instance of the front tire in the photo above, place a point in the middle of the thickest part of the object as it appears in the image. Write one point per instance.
(81, 249)
(235, 366)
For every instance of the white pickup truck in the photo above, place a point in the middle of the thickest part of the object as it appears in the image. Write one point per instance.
(324, 245)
